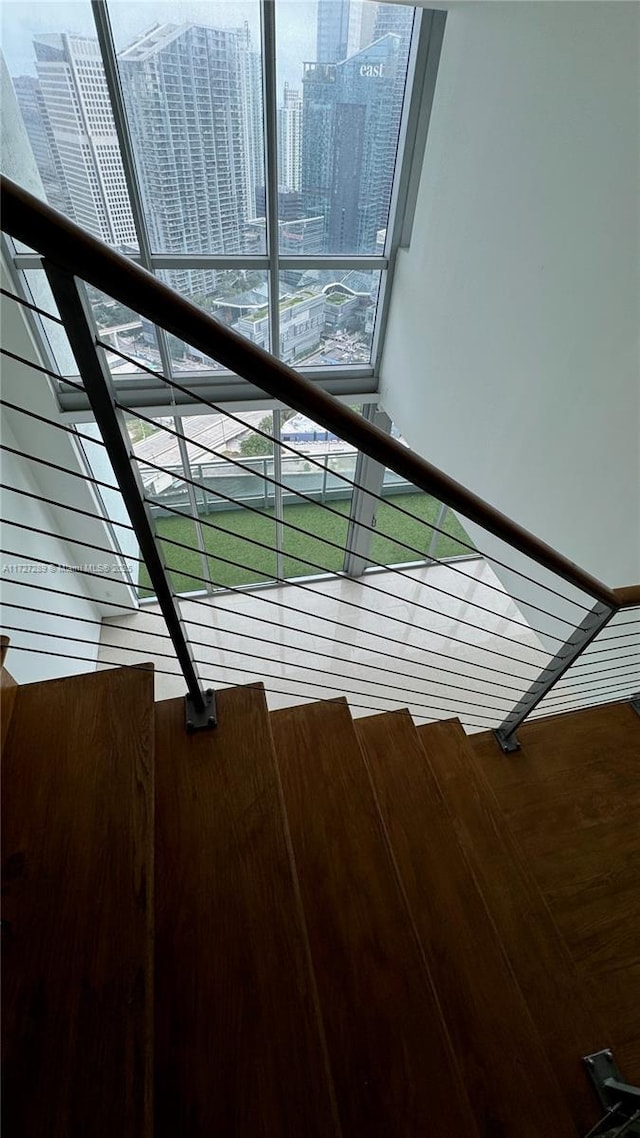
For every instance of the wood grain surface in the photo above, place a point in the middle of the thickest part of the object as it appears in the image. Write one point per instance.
(239, 1044)
(629, 596)
(8, 692)
(509, 1077)
(361, 930)
(390, 1054)
(571, 796)
(77, 866)
(559, 1002)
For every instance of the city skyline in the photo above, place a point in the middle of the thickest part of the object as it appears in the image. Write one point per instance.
(192, 100)
(201, 169)
(192, 108)
(130, 20)
(296, 23)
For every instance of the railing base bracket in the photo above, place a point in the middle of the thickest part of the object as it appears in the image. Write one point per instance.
(195, 720)
(506, 743)
(621, 1100)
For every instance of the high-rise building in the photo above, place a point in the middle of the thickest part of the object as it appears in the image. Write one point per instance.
(362, 18)
(40, 134)
(333, 30)
(394, 19)
(318, 106)
(289, 203)
(302, 237)
(290, 139)
(298, 236)
(82, 135)
(192, 97)
(251, 93)
(345, 27)
(350, 129)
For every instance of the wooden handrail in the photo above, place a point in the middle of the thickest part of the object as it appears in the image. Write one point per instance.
(66, 245)
(629, 597)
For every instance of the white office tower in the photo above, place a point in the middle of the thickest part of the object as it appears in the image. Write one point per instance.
(82, 132)
(290, 139)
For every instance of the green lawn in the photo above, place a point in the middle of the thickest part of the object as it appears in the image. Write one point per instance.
(230, 541)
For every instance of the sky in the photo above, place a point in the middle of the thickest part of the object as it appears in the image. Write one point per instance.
(295, 24)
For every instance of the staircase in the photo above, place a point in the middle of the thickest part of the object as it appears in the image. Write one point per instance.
(301, 925)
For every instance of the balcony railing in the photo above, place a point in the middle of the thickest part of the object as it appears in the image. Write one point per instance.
(445, 637)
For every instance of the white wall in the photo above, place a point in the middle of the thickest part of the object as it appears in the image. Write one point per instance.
(25, 388)
(92, 597)
(28, 389)
(21, 581)
(511, 358)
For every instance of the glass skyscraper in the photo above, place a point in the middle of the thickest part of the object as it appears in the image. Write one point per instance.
(333, 30)
(350, 129)
(40, 132)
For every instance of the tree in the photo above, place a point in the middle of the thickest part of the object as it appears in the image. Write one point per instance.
(256, 445)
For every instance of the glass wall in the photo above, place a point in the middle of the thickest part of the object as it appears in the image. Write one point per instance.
(254, 498)
(246, 154)
(412, 526)
(314, 539)
(209, 484)
(274, 218)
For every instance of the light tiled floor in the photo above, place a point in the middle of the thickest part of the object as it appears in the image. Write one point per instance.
(391, 641)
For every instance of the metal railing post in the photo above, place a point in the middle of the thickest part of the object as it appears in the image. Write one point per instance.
(587, 630)
(200, 704)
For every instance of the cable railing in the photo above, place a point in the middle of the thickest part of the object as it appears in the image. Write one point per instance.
(235, 568)
(608, 669)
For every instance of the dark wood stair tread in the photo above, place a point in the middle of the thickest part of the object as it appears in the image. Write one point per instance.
(571, 797)
(509, 1078)
(77, 860)
(239, 1047)
(390, 1055)
(559, 1003)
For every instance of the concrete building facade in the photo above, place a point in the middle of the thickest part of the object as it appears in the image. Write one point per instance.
(191, 95)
